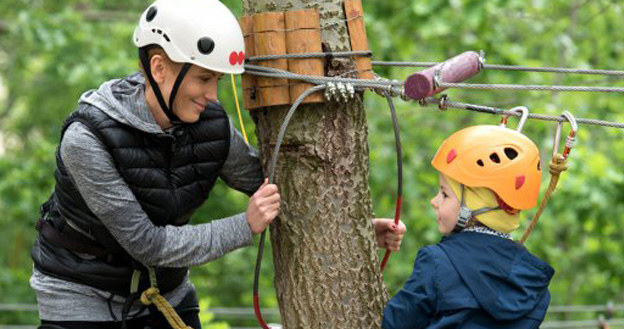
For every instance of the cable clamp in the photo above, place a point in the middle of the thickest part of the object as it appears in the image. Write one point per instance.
(330, 91)
(442, 102)
(340, 92)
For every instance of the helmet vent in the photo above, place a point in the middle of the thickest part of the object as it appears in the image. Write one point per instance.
(205, 45)
(539, 166)
(494, 157)
(151, 13)
(166, 37)
(480, 163)
(511, 153)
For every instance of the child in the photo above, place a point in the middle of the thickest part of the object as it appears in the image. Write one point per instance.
(477, 277)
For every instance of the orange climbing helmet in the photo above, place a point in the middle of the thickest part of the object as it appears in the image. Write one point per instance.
(498, 158)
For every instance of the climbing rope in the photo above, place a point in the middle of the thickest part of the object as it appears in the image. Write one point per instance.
(152, 296)
(238, 110)
(556, 167)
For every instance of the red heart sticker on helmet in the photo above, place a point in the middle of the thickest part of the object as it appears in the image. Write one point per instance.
(451, 156)
(233, 58)
(237, 58)
(519, 181)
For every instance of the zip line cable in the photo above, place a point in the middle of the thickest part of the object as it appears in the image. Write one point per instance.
(399, 154)
(484, 86)
(496, 67)
(444, 103)
(563, 70)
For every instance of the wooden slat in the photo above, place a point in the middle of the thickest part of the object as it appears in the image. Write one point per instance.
(270, 39)
(250, 101)
(357, 32)
(304, 36)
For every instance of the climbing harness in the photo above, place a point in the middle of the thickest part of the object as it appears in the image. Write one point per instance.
(557, 165)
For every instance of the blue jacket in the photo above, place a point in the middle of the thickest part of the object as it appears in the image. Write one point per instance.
(472, 280)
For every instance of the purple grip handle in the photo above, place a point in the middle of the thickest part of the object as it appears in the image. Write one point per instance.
(457, 69)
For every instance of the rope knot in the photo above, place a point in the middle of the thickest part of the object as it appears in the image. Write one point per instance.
(148, 296)
(557, 165)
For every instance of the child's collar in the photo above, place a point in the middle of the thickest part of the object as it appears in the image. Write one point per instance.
(487, 230)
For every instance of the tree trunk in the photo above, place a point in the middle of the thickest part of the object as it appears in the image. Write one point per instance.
(326, 265)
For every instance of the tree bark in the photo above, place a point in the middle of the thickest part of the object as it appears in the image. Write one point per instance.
(326, 264)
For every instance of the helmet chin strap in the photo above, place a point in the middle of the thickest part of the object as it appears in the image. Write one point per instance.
(144, 57)
(465, 214)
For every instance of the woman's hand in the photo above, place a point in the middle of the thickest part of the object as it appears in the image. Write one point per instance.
(387, 234)
(263, 207)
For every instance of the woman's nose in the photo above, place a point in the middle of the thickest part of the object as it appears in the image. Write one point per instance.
(211, 92)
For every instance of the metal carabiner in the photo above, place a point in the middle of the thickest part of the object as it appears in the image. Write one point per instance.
(524, 114)
(571, 140)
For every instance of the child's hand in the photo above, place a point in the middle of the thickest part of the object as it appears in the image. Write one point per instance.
(387, 234)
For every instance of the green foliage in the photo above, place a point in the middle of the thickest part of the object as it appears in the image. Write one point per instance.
(52, 51)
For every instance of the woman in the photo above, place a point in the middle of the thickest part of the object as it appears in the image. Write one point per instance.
(136, 159)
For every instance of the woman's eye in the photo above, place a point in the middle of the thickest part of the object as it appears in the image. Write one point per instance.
(444, 195)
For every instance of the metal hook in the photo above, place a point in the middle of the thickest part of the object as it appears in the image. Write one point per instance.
(437, 76)
(571, 140)
(481, 59)
(524, 114)
(442, 103)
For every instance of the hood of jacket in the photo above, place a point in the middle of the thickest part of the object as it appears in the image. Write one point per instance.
(124, 101)
(510, 282)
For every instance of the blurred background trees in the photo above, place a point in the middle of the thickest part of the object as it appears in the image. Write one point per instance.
(52, 51)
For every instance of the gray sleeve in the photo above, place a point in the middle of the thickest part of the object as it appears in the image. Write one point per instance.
(242, 169)
(109, 197)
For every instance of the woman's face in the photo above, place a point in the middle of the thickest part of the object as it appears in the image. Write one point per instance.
(446, 207)
(198, 88)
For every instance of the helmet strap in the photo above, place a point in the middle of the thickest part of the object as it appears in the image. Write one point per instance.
(144, 58)
(466, 214)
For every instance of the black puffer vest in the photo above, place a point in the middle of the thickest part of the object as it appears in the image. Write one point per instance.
(171, 175)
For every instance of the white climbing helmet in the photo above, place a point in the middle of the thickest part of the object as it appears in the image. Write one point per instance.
(200, 32)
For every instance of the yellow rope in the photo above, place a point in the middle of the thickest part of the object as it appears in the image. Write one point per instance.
(152, 295)
(240, 116)
(557, 165)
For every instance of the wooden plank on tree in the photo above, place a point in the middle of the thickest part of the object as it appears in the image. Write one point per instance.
(250, 83)
(303, 35)
(270, 39)
(357, 32)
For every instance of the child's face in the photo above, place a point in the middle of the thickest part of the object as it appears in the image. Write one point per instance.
(446, 207)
